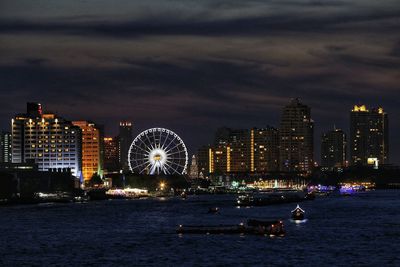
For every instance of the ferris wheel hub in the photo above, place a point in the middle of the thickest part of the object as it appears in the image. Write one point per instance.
(157, 156)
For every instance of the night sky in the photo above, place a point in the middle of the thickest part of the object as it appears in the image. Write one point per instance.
(193, 66)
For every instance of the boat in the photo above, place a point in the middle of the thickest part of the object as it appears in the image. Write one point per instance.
(213, 210)
(255, 227)
(298, 213)
(183, 195)
(350, 189)
(272, 198)
(56, 197)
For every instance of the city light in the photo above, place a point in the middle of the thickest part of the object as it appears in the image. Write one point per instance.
(162, 185)
(289, 110)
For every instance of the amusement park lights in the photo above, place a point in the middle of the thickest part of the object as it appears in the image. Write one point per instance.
(158, 151)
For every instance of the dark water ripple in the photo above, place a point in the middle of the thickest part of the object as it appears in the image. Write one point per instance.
(361, 230)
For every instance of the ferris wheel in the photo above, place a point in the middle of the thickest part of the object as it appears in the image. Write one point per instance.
(158, 151)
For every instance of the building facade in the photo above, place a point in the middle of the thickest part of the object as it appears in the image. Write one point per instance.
(296, 138)
(111, 155)
(51, 142)
(241, 151)
(264, 150)
(369, 136)
(239, 154)
(5, 147)
(92, 149)
(203, 160)
(125, 139)
(333, 150)
(219, 159)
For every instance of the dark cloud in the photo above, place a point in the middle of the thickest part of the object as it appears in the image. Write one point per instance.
(35, 61)
(274, 24)
(195, 66)
(396, 50)
(335, 48)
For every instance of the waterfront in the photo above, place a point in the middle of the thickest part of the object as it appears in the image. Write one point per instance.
(363, 229)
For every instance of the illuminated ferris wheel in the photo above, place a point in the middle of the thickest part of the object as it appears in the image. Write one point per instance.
(158, 151)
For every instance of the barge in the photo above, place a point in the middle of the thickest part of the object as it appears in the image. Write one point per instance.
(264, 199)
(254, 227)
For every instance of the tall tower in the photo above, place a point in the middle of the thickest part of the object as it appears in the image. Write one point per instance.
(369, 136)
(92, 149)
(296, 138)
(333, 149)
(125, 140)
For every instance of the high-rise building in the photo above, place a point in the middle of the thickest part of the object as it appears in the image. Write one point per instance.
(5, 147)
(231, 151)
(51, 142)
(111, 154)
(92, 149)
(333, 149)
(296, 138)
(219, 159)
(203, 160)
(369, 136)
(125, 140)
(222, 136)
(264, 155)
(239, 151)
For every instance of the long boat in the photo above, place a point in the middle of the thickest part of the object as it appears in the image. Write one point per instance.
(272, 198)
(255, 227)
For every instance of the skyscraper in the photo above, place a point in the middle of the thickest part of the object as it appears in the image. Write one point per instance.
(369, 136)
(333, 149)
(264, 150)
(296, 138)
(92, 149)
(219, 159)
(46, 139)
(231, 151)
(203, 160)
(5, 147)
(222, 136)
(125, 140)
(238, 153)
(111, 155)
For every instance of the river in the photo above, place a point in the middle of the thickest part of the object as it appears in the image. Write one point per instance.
(358, 230)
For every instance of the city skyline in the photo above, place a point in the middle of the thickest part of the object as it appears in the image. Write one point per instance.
(194, 67)
(317, 137)
(199, 133)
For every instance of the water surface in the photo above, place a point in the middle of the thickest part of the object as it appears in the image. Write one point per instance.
(360, 230)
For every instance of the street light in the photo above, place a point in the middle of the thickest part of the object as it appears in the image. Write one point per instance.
(162, 185)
